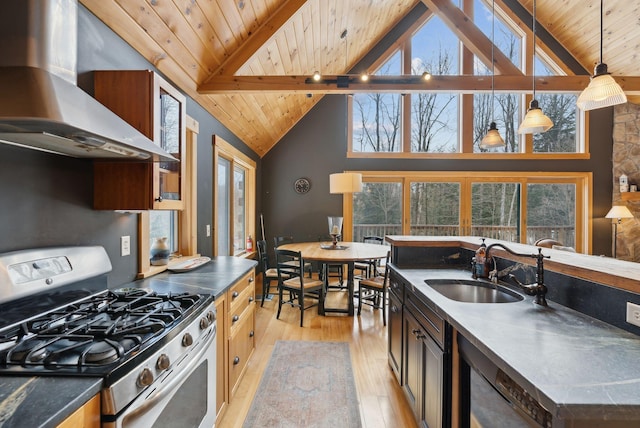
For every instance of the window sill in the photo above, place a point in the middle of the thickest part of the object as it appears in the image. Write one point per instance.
(246, 255)
(154, 270)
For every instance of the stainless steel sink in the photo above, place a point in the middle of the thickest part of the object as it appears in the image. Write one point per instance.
(471, 291)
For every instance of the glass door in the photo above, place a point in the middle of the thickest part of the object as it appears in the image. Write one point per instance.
(495, 210)
(435, 208)
(377, 210)
(223, 192)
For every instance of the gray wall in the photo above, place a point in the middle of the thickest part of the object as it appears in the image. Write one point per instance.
(47, 199)
(317, 145)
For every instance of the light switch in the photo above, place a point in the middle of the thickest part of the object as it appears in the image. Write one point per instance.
(125, 245)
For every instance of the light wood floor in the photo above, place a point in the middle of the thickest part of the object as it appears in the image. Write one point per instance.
(381, 400)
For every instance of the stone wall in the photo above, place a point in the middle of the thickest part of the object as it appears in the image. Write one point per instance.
(626, 160)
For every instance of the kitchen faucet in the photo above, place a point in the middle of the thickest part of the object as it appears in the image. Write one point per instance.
(537, 289)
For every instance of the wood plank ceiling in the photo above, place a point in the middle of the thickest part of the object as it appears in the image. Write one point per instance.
(193, 41)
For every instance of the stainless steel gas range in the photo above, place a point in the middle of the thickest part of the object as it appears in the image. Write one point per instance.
(155, 352)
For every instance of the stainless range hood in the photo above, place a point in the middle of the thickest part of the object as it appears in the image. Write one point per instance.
(40, 105)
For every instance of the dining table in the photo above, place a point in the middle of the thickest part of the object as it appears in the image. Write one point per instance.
(343, 252)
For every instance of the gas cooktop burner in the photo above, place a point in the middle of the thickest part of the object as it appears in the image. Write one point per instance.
(99, 331)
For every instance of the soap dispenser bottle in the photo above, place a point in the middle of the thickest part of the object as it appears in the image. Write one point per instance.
(479, 264)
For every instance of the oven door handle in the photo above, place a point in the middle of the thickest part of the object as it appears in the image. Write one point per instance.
(165, 389)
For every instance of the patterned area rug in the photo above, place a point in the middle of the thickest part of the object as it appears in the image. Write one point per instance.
(306, 384)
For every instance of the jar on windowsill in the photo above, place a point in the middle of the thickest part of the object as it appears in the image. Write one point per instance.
(160, 252)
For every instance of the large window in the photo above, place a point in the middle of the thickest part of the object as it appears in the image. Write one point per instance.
(377, 117)
(447, 124)
(377, 210)
(234, 210)
(517, 207)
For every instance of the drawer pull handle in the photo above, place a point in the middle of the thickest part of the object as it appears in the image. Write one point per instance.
(235, 318)
(234, 294)
(251, 333)
(158, 199)
(250, 299)
(394, 309)
(236, 361)
(416, 331)
(250, 280)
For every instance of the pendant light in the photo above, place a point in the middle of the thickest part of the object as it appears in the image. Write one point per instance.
(492, 138)
(535, 121)
(603, 91)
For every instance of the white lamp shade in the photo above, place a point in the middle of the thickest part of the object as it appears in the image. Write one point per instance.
(619, 211)
(535, 121)
(492, 139)
(346, 182)
(603, 91)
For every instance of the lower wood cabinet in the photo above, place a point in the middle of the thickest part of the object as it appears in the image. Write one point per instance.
(87, 416)
(394, 326)
(420, 354)
(236, 338)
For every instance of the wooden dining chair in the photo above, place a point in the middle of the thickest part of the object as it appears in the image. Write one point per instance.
(268, 273)
(291, 278)
(373, 291)
(367, 268)
(283, 240)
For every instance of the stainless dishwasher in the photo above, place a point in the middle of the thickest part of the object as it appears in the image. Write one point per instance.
(491, 398)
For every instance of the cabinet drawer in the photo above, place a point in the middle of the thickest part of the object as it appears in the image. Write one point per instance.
(241, 346)
(396, 285)
(430, 320)
(241, 309)
(236, 289)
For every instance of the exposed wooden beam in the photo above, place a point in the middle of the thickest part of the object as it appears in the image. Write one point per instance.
(350, 84)
(472, 37)
(252, 44)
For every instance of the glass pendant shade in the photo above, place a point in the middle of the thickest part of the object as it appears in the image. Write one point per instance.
(603, 91)
(492, 139)
(535, 120)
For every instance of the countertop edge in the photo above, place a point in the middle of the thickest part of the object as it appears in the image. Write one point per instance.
(464, 321)
(18, 394)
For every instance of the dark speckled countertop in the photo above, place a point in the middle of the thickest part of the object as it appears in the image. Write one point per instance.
(577, 366)
(38, 401)
(214, 278)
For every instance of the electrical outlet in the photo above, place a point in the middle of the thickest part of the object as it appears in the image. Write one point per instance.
(208, 230)
(125, 245)
(633, 314)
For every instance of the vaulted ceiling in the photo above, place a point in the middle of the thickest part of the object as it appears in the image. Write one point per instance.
(197, 43)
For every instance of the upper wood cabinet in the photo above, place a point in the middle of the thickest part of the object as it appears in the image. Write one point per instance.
(148, 103)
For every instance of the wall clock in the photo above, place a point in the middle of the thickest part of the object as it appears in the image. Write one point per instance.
(302, 185)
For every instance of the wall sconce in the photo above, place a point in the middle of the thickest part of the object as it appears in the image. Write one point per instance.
(617, 212)
(345, 182)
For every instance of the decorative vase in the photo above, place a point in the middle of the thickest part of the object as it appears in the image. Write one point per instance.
(335, 228)
(160, 252)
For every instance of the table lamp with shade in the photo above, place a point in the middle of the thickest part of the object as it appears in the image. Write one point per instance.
(340, 183)
(617, 212)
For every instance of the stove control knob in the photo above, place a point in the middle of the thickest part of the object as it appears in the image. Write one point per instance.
(145, 378)
(204, 323)
(187, 339)
(163, 362)
(211, 316)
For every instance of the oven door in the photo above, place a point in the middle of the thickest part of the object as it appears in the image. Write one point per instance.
(182, 397)
(490, 398)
